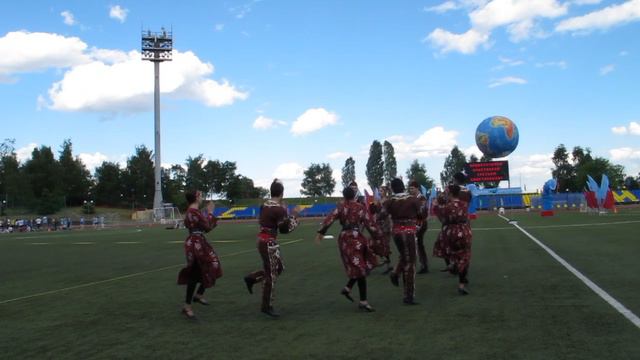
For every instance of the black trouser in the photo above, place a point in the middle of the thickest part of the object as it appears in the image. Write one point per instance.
(196, 277)
(422, 254)
(362, 286)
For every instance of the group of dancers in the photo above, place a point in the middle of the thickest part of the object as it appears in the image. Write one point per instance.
(400, 215)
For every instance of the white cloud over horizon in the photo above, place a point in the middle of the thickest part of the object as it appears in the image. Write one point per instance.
(435, 141)
(633, 129)
(624, 153)
(24, 153)
(93, 160)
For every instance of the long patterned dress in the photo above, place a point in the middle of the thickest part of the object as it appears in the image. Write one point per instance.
(454, 240)
(357, 257)
(203, 263)
(381, 245)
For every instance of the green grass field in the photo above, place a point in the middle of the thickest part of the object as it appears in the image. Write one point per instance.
(112, 294)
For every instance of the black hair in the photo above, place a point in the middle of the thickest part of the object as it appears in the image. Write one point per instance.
(397, 186)
(349, 193)
(460, 178)
(191, 196)
(414, 184)
(277, 189)
(454, 190)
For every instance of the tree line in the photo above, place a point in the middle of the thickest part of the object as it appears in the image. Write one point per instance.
(45, 182)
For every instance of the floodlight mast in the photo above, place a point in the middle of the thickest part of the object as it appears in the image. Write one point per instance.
(157, 47)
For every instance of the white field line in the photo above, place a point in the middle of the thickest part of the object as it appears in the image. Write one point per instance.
(598, 290)
(51, 292)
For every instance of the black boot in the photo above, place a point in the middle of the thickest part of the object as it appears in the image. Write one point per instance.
(249, 282)
(269, 311)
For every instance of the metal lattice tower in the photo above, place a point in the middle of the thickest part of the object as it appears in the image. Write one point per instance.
(157, 47)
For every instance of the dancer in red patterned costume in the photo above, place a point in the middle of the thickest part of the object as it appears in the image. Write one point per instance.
(451, 209)
(358, 259)
(404, 210)
(381, 246)
(203, 265)
(414, 190)
(273, 218)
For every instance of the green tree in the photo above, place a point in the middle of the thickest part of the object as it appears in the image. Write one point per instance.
(196, 177)
(473, 158)
(390, 164)
(348, 172)
(14, 188)
(596, 168)
(75, 178)
(418, 172)
(564, 171)
(453, 164)
(631, 183)
(219, 175)
(375, 165)
(139, 177)
(580, 156)
(318, 180)
(110, 189)
(173, 185)
(242, 187)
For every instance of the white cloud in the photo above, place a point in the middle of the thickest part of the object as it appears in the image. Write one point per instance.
(434, 142)
(242, 10)
(444, 7)
(118, 13)
(126, 84)
(520, 17)
(24, 52)
(507, 80)
(532, 170)
(623, 53)
(338, 155)
(219, 27)
(607, 69)
(605, 18)
(507, 62)
(465, 43)
(289, 171)
(68, 18)
(559, 64)
(473, 150)
(92, 161)
(633, 128)
(619, 130)
(264, 123)
(313, 120)
(586, 2)
(624, 153)
(24, 153)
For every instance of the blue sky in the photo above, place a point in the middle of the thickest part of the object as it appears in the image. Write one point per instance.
(277, 85)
